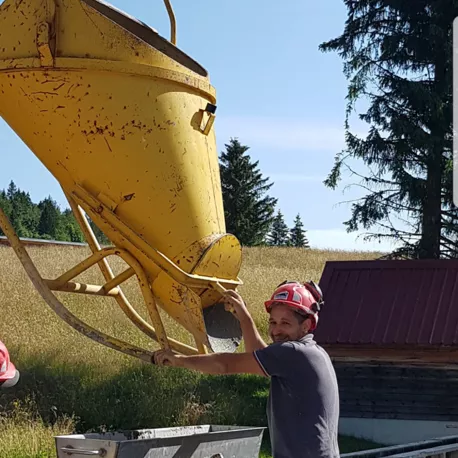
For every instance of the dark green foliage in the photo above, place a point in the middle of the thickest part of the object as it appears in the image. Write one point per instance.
(70, 227)
(398, 57)
(297, 234)
(24, 214)
(44, 220)
(50, 219)
(279, 235)
(248, 208)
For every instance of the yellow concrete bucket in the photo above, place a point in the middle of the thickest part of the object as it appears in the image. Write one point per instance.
(124, 121)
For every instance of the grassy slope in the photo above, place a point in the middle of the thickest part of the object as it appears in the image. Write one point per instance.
(69, 383)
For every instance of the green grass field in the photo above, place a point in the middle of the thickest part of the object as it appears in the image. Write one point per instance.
(72, 384)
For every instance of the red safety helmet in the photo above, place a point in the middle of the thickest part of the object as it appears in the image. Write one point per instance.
(9, 375)
(306, 298)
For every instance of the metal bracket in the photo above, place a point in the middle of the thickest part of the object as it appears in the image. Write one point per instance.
(208, 118)
(107, 201)
(43, 36)
(46, 36)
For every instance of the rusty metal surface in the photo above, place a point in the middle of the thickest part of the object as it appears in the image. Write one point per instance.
(401, 302)
(124, 120)
(48, 296)
(157, 333)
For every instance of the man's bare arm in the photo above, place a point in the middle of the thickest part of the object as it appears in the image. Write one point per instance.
(252, 339)
(216, 364)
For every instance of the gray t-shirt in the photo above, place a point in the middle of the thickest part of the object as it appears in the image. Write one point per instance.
(303, 407)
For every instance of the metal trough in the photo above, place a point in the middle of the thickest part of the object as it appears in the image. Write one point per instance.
(203, 441)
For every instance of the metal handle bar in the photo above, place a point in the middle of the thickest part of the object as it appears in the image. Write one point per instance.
(173, 24)
(72, 451)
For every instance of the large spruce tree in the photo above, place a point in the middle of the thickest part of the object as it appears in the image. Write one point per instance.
(398, 56)
(248, 208)
(23, 213)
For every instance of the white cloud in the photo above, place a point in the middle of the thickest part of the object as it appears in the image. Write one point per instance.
(339, 239)
(283, 133)
(295, 177)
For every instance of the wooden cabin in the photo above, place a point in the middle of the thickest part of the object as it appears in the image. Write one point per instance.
(391, 329)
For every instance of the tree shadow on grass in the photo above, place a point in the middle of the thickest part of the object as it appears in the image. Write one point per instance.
(141, 396)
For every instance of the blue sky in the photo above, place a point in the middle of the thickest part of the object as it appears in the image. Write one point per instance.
(276, 92)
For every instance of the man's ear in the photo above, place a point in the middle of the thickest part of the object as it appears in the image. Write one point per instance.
(307, 324)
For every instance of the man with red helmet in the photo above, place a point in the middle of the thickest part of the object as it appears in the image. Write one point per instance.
(9, 375)
(303, 406)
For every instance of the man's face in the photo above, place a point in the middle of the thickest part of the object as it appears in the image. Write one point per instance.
(285, 324)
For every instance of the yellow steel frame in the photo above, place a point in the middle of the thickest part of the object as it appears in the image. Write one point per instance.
(111, 288)
(141, 257)
(95, 208)
(46, 293)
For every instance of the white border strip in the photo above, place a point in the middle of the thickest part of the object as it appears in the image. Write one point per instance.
(455, 111)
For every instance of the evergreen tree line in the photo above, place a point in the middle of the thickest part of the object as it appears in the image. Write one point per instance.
(250, 213)
(44, 220)
(281, 235)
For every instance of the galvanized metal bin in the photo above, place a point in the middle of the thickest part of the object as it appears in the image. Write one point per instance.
(203, 441)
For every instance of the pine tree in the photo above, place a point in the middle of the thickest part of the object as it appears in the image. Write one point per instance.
(398, 55)
(297, 234)
(48, 225)
(24, 214)
(279, 236)
(247, 206)
(11, 191)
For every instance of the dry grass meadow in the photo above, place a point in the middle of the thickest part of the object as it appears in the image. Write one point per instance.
(71, 384)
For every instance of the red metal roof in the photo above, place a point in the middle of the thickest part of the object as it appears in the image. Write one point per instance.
(398, 302)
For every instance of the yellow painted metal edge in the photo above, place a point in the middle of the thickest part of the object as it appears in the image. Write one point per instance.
(158, 332)
(93, 205)
(69, 63)
(58, 307)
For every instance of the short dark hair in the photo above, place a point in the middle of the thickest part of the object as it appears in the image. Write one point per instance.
(301, 317)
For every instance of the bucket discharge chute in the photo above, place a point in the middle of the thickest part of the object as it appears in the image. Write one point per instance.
(123, 119)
